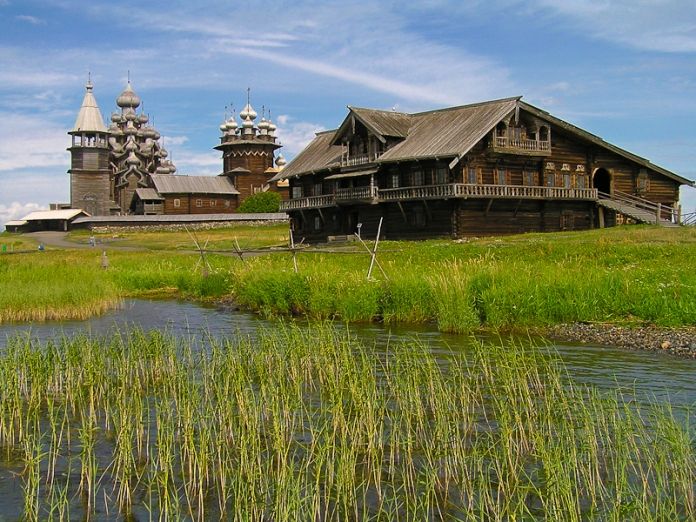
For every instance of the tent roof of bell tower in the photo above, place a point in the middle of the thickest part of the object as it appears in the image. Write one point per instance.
(89, 118)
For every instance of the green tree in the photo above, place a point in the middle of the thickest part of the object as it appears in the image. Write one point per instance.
(262, 202)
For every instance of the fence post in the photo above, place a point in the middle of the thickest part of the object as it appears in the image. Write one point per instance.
(679, 214)
(658, 214)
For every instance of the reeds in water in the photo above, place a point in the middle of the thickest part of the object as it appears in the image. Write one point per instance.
(307, 424)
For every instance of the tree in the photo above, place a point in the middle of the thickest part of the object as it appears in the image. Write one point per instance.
(263, 202)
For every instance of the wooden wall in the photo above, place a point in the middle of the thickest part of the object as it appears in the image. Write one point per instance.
(188, 204)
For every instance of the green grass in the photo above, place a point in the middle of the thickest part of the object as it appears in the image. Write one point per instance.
(629, 275)
(307, 424)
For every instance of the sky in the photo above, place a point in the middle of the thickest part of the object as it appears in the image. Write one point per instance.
(624, 70)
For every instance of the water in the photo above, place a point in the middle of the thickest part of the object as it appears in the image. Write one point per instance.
(635, 373)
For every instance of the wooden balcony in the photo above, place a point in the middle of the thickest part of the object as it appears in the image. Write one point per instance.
(452, 190)
(308, 203)
(357, 195)
(505, 145)
(360, 159)
(462, 190)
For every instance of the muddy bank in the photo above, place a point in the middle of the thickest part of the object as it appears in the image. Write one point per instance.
(675, 341)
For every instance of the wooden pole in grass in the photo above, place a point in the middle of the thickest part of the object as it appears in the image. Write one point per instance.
(373, 252)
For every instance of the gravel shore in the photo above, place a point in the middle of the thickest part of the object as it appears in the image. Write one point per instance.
(676, 341)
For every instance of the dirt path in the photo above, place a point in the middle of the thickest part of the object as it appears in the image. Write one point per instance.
(57, 239)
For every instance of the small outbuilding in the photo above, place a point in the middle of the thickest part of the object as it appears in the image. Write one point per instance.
(41, 220)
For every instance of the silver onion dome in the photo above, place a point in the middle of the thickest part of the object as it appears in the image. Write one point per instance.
(128, 98)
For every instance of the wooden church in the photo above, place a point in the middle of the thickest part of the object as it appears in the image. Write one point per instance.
(124, 169)
(492, 168)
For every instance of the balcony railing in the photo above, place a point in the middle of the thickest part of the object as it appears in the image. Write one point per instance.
(360, 159)
(461, 190)
(354, 193)
(310, 202)
(452, 190)
(503, 142)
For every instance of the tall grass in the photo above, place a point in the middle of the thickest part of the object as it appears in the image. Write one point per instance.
(307, 424)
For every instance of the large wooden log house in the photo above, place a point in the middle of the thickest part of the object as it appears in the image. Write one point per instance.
(492, 168)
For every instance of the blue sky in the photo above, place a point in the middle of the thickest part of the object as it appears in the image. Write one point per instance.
(622, 69)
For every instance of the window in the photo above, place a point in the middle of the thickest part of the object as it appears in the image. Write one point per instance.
(212, 202)
(567, 221)
(442, 176)
(550, 179)
(642, 181)
(317, 223)
(581, 181)
(317, 189)
(227, 203)
(418, 218)
(199, 202)
(471, 176)
(418, 177)
(395, 180)
(337, 185)
(529, 178)
(297, 192)
(501, 175)
(566, 180)
(177, 203)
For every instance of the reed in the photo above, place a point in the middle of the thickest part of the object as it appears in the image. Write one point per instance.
(306, 423)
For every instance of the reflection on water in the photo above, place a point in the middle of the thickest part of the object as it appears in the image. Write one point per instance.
(654, 375)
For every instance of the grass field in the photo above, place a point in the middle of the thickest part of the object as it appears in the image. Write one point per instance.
(629, 275)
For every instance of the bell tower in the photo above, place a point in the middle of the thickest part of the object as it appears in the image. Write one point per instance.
(89, 167)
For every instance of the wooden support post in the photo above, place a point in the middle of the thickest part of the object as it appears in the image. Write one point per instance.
(239, 250)
(292, 249)
(679, 215)
(490, 202)
(601, 217)
(519, 202)
(321, 215)
(427, 209)
(658, 214)
(373, 252)
(402, 211)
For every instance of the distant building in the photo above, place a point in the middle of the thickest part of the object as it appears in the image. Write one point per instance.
(124, 169)
(59, 220)
(491, 168)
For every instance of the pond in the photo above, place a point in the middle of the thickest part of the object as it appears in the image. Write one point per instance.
(408, 423)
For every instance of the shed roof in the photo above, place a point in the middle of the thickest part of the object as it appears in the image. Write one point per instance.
(44, 215)
(169, 184)
(148, 194)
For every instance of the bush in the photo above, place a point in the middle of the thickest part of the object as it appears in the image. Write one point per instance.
(263, 202)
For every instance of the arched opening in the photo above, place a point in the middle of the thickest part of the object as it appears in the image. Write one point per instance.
(543, 133)
(602, 180)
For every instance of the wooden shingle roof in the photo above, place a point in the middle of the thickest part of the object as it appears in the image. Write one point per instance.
(170, 184)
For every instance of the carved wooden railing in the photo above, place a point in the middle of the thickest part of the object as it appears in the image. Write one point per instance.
(309, 202)
(503, 142)
(356, 193)
(360, 159)
(482, 191)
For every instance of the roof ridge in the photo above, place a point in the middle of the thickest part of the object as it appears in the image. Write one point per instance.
(470, 105)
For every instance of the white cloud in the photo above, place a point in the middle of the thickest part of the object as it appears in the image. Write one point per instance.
(17, 211)
(295, 136)
(197, 163)
(29, 141)
(31, 19)
(665, 25)
(174, 140)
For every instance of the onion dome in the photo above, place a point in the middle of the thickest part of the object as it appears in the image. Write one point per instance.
(172, 168)
(163, 153)
(248, 111)
(113, 129)
(223, 126)
(247, 123)
(271, 126)
(129, 114)
(280, 161)
(155, 135)
(131, 145)
(128, 98)
(130, 129)
(231, 126)
(132, 159)
(263, 126)
(149, 132)
(142, 119)
(116, 117)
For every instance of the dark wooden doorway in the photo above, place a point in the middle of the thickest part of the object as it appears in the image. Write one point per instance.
(602, 180)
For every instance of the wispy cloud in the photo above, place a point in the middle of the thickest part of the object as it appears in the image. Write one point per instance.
(30, 19)
(29, 141)
(295, 136)
(17, 211)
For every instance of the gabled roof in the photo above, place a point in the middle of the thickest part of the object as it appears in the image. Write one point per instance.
(89, 118)
(596, 140)
(43, 215)
(170, 184)
(318, 155)
(147, 194)
(380, 123)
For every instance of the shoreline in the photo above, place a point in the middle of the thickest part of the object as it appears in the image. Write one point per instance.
(677, 341)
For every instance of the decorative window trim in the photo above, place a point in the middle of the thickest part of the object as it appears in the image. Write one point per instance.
(550, 166)
(199, 202)
(565, 167)
(227, 203)
(177, 203)
(580, 168)
(212, 202)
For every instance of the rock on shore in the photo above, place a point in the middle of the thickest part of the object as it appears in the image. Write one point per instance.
(676, 341)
